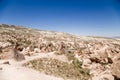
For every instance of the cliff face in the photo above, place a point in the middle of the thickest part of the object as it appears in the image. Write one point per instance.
(98, 55)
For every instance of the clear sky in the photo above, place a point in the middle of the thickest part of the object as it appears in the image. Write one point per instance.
(83, 17)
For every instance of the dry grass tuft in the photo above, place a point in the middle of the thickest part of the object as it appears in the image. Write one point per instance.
(60, 69)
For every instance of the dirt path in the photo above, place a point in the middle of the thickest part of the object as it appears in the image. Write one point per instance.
(20, 73)
(15, 71)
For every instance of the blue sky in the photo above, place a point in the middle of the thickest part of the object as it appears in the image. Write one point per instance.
(83, 17)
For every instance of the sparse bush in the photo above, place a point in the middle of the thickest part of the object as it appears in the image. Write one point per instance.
(77, 63)
(60, 69)
(70, 55)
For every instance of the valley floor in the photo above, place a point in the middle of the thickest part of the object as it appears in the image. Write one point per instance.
(15, 71)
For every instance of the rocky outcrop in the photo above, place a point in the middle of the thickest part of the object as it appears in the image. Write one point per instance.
(18, 56)
(12, 53)
(116, 69)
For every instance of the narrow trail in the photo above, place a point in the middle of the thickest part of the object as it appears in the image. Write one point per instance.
(15, 71)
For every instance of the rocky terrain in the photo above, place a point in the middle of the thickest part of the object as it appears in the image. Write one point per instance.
(57, 55)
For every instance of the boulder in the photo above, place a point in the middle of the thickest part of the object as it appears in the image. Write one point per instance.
(6, 62)
(18, 56)
(12, 53)
(116, 69)
(1, 68)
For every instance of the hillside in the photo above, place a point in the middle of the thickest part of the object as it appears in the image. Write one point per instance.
(57, 55)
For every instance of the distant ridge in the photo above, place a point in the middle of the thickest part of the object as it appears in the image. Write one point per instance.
(116, 37)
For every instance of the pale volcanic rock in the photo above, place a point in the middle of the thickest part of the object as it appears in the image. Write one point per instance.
(98, 54)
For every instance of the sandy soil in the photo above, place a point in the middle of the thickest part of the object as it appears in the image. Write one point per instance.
(15, 71)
